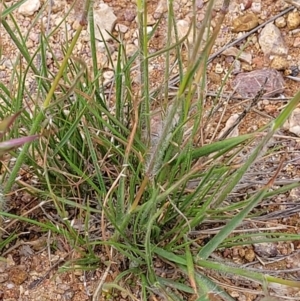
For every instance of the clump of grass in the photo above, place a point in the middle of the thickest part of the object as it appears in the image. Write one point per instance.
(113, 169)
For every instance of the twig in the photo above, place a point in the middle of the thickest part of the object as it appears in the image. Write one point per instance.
(295, 78)
(294, 3)
(226, 95)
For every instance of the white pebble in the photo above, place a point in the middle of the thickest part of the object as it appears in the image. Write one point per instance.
(29, 7)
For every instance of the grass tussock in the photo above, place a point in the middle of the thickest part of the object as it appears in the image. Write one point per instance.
(123, 179)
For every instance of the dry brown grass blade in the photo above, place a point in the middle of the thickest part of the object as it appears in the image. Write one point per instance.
(272, 180)
(135, 120)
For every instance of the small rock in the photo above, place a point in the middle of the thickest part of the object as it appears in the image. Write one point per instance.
(102, 59)
(229, 123)
(293, 20)
(149, 29)
(76, 24)
(108, 75)
(136, 33)
(293, 122)
(29, 7)
(34, 37)
(3, 277)
(248, 84)
(295, 194)
(199, 4)
(10, 286)
(29, 44)
(280, 22)
(292, 71)
(234, 294)
(229, 60)
(279, 63)
(256, 7)
(246, 4)
(10, 261)
(104, 19)
(129, 15)
(236, 53)
(3, 266)
(150, 20)
(218, 4)
(219, 69)
(161, 8)
(182, 30)
(130, 50)
(271, 41)
(57, 21)
(105, 47)
(266, 249)
(17, 275)
(121, 28)
(200, 17)
(265, 102)
(245, 22)
(271, 109)
(57, 6)
(297, 42)
(246, 66)
(62, 286)
(236, 67)
(124, 295)
(249, 255)
(215, 78)
(258, 62)
(68, 294)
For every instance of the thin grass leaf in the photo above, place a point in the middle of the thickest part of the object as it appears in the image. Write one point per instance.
(258, 277)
